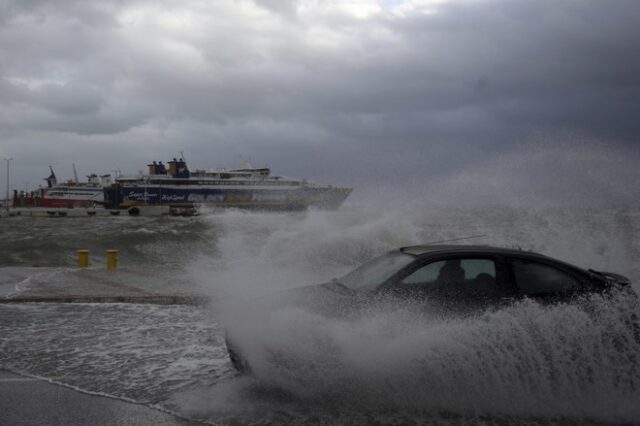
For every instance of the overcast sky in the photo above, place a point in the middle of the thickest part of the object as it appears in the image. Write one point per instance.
(486, 99)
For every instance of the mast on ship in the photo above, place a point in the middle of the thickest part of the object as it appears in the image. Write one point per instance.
(75, 173)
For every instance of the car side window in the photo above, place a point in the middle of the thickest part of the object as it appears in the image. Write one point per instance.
(534, 278)
(455, 274)
(427, 274)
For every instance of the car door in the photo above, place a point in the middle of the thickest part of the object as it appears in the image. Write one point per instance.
(543, 279)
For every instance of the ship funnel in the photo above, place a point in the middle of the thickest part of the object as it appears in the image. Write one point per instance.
(153, 168)
(178, 169)
(157, 168)
(173, 167)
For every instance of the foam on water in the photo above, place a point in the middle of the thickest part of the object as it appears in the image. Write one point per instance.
(138, 352)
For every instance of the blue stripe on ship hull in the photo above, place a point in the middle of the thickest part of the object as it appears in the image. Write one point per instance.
(252, 198)
(179, 195)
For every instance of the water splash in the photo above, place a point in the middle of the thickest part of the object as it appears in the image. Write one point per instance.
(580, 360)
(574, 361)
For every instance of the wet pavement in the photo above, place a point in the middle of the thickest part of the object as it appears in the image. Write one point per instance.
(29, 401)
(32, 401)
(95, 284)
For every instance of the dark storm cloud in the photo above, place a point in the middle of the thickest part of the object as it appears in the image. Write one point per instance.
(413, 91)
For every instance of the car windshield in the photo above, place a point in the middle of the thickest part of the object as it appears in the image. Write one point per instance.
(376, 271)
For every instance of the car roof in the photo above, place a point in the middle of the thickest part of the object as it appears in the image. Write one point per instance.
(420, 250)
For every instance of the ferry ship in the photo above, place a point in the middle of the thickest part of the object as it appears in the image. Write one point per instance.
(69, 194)
(246, 188)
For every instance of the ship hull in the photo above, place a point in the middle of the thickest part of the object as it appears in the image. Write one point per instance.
(70, 197)
(66, 203)
(60, 197)
(295, 198)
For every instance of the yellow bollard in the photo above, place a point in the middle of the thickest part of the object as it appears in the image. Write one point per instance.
(112, 259)
(83, 258)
